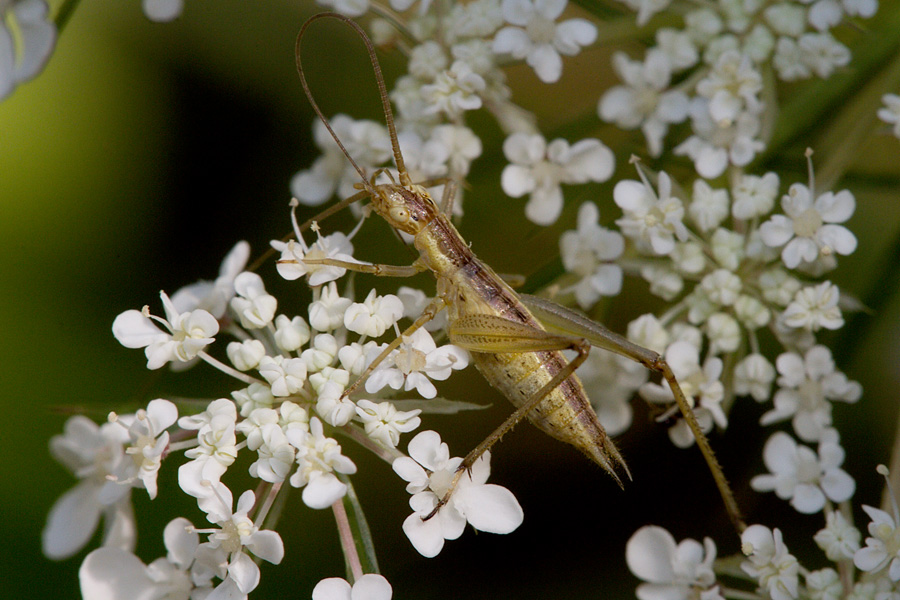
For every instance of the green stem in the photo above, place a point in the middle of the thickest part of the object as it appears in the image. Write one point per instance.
(359, 536)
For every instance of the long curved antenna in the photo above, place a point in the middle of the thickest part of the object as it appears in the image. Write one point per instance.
(382, 91)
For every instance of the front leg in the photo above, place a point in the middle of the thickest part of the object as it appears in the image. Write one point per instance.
(372, 269)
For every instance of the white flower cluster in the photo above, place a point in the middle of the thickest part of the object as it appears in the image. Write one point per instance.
(295, 390)
(719, 57)
(455, 68)
(686, 570)
(730, 270)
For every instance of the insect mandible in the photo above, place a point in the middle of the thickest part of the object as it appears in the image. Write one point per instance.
(516, 341)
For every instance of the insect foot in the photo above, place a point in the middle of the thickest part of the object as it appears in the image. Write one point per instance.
(446, 495)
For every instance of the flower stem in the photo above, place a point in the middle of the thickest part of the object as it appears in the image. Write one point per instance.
(363, 551)
(228, 370)
(348, 544)
(386, 454)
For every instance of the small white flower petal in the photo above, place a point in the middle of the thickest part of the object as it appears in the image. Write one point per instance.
(490, 508)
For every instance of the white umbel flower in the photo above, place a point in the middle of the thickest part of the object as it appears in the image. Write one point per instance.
(375, 315)
(588, 252)
(670, 570)
(803, 476)
(536, 37)
(253, 305)
(643, 100)
(538, 169)
(189, 333)
(367, 587)
(769, 561)
(652, 220)
(808, 384)
(227, 551)
(882, 550)
(92, 453)
(429, 469)
(814, 308)
(415, 363)
(701, 386)
(318, 458)
(809, 229)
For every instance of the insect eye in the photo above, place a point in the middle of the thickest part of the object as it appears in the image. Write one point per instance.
(399, 214)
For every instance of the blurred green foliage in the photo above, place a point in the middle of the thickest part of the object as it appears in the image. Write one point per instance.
(144, 151)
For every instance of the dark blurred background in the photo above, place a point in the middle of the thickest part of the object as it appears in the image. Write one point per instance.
(145, 151)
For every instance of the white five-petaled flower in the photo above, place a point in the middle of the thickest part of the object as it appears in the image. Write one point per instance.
(149, 440)
(189, 333)
(588, 252)
(454, 91)
(255, 308)
(275, 454)
(384, 423)
(731, 87)
(769, 561)
(318, 458)
(715, 145)
(415, 363)
(807, 384)
(754, 196)
(754, 376)
(114, 573)
(92, 453)
(327, 313)
(809, 228)
(839, 539)
(429, 469)
(216, 449)
(650, 220)
(23, 58)
(286, 376)
(643, 100)
(882, 549)
(373, 316)
(890, 114)
(226, 551)
(700, 385)
(294, 254)
(815, 307)
(538, 169)
(367, 587)
(536, 37)
(803, 476)
(672, 572)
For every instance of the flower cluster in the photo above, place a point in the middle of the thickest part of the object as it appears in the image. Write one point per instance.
(712, 68)
(732, 269)
(740, 264)
(293, 392)
(688, 570)
(454, 68)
